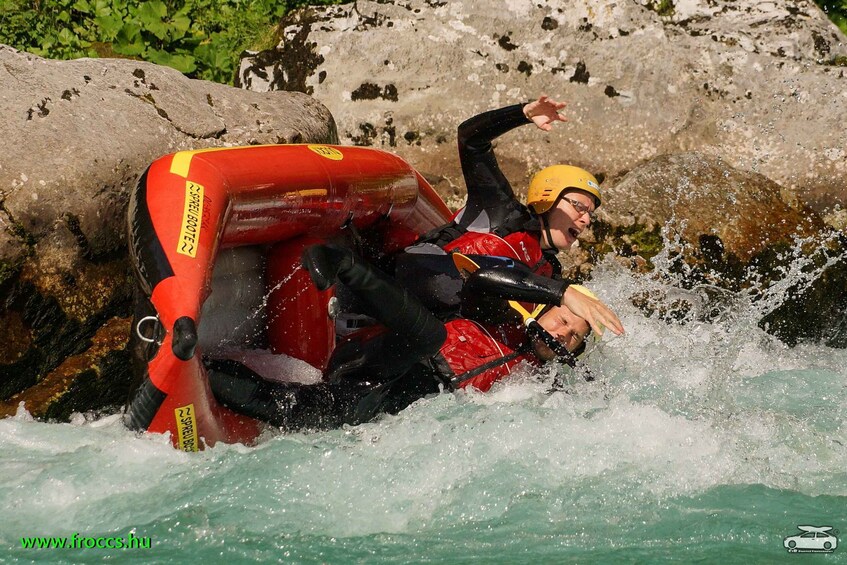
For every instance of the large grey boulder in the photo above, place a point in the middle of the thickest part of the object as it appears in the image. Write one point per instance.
(757, 84)
(78, 133)
(76, 136)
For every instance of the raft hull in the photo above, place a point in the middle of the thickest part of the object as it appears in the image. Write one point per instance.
(278, 199)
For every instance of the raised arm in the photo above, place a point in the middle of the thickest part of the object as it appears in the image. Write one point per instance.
(491, 200)
(490, 196)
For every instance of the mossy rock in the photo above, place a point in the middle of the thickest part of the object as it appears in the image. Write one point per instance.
(724, 228)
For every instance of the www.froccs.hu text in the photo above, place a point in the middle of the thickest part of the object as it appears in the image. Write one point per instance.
(78, 541)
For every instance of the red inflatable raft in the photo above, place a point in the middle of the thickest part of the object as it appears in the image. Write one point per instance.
(229, 225)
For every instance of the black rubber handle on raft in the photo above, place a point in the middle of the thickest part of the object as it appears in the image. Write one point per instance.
(185, 338)
(144, 406)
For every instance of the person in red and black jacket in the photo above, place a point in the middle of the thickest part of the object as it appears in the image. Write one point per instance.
(414, 354)
(560, 200)
(560, 203)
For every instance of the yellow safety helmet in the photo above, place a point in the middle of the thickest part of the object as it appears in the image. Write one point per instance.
(548, 184)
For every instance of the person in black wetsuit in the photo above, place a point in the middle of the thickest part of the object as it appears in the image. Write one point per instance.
(491, 205)
(420, 353)
(560, 202)
(417, 355)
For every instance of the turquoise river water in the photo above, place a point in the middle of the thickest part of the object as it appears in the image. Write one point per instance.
(701, 441)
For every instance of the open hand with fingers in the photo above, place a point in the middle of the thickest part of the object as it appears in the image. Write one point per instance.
(598, 315)
(544, 112)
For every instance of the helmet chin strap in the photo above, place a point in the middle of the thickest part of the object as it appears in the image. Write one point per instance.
(547, 233)
(546, 224)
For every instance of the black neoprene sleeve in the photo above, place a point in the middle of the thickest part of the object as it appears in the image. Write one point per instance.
(489, 191)
(515, 284)
(475, 134)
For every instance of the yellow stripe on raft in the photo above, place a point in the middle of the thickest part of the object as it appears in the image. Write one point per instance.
(182, 160)
(306, 192)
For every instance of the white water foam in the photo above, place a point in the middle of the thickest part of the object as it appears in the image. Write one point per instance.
(677, 409)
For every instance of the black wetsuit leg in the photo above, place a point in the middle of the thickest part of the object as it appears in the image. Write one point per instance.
(290, 406)
(387, 366)
(385, 373)
(394, 306)
(363, 378)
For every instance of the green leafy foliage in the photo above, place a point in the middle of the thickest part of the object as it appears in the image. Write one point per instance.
(836, 10)
(201, 38)
(662, 7)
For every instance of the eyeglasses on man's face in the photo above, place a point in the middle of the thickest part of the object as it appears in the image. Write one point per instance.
(580, 207)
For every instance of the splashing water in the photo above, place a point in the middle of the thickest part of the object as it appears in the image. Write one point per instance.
(702, 439)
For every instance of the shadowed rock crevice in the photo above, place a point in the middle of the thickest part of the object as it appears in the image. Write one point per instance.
(96, 377)
(816, 311)
(16, 228)
(41, 324)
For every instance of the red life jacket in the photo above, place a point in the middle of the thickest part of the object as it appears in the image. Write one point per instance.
(522, 246)
(474, 356)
